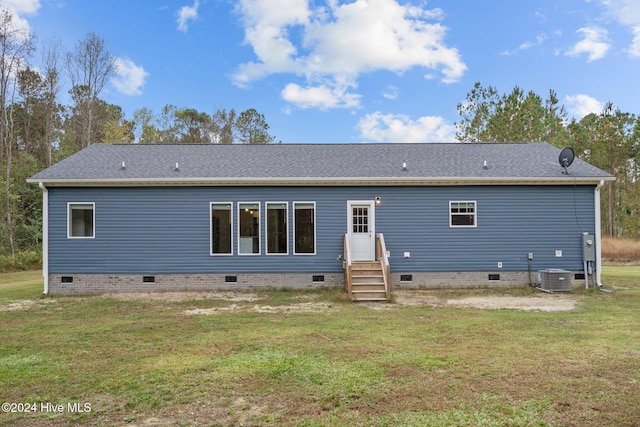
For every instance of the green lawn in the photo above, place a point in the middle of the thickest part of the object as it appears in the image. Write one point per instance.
(20, 285)
(314, 359)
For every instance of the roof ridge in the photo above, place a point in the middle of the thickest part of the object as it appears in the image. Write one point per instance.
(316, 144)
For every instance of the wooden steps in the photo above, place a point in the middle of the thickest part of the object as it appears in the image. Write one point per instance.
(367, 281)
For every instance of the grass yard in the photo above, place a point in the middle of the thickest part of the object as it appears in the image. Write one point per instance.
(314, 359)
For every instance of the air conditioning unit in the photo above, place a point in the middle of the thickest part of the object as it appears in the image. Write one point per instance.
(555, 280)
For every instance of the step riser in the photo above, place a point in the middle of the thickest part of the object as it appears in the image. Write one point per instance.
(370, 297)
(372, 277)
(366, 273)
(364, 285)
(358, 264)
(372, 288)
(377, 285)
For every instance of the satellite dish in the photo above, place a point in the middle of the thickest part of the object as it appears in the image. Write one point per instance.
(566, 158)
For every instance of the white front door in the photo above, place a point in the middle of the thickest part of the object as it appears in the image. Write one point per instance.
(361, 229)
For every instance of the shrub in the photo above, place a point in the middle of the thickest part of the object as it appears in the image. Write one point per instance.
(26, 260)
(620, 250)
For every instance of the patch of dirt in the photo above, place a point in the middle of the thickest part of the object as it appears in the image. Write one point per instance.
(415, 297)
(185, 296)
(555, 303)
(26, 304)
(315, 307)
(543, 302)
(237, 412)
(246, 411)
(214, 310)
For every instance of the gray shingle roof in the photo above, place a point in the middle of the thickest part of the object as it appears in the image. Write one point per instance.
(299, 163)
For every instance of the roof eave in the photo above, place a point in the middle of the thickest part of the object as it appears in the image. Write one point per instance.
(323, 181)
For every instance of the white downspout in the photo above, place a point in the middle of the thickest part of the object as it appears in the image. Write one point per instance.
(598, 234)
(45, 237)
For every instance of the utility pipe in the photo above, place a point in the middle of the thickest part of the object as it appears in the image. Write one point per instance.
(586, 276)
(45, 236)
(598, 234)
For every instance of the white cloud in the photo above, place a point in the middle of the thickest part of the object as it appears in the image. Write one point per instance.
(22, 6)
(266, 26)
(594, 43)
(186, 14)
(627, 13)
(369, 35)
(528, 44)
(130, 77)
(539, 14)
(634, 48)
(380, 127)
(540, 38)
(19, 8)
(321, 97)
(339, 42)
(391, 92)
(580, 105)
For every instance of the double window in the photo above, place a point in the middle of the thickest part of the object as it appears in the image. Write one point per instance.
(462, 214)
(248, 231)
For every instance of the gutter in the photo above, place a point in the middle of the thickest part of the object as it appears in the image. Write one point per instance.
(315, 181)
(45, 237)
(598, 234)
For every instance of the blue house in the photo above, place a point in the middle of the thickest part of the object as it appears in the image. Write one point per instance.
(370, 217)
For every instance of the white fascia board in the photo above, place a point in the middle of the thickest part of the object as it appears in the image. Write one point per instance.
(322, 181)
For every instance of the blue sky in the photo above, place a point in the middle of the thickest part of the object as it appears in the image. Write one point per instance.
(352, 70)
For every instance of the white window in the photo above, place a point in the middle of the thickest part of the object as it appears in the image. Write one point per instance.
(221, 226)
(462, 214)
(81, 220)
(277, 228)
(249, 228)
(304, 228)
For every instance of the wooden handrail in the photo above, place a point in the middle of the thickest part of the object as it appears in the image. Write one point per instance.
(347, 266)
(381, 255)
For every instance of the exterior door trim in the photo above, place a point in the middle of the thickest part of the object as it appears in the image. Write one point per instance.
(370, 204)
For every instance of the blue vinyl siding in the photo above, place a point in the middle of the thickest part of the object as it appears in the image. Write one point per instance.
(158, 230)
(511, 222)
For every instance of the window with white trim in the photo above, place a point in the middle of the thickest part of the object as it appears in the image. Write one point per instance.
(81, 220)
(304, 228)
(249, 228)
(277, 228)
(221, 226)
(462, 214)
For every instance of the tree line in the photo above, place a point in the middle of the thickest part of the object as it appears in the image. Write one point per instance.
(37, 129)
(609, 140)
